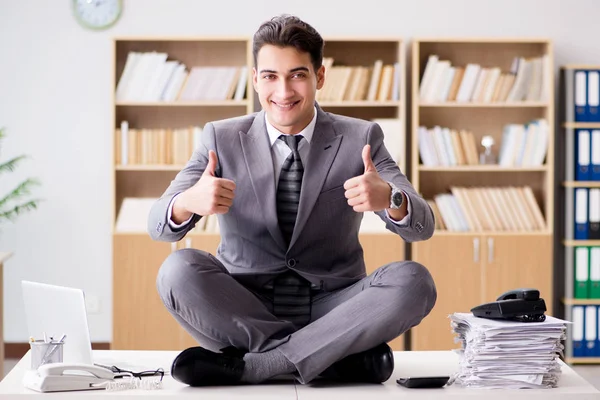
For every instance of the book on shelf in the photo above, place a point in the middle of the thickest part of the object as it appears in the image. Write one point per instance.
(528, 80)
(155, 146)
(487, 209)
(587, 214)
(585, 334)
(393, 137)
(151, 77)
(586, 272)
(133, 217)
(522, 145)
(377, 82)
(582, 87)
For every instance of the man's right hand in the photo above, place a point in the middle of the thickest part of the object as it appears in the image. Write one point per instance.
(210, 195)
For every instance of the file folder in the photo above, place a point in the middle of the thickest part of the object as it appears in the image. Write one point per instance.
(580, 96)
(582, 273)
(595, 272)
(597, 331)
(595, 158)
(593, 96)
(581, 214)
(582, 157)
(594, 214)
(578, 331)
(591, 328)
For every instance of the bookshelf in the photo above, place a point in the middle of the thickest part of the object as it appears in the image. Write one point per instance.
(158, 123)
(162, 121)
(578, 237)
(494, 221)
(380, 246)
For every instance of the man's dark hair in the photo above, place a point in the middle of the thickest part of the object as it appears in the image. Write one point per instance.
(287, 30)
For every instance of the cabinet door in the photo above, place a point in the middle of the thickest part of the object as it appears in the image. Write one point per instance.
(513, 262)
(381, 249)
(140, 320)
(454, 261)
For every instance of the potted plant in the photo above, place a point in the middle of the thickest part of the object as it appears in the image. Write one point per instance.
(17, 200)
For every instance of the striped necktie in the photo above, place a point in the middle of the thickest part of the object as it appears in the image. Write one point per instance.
(291, 292)
(288, 189)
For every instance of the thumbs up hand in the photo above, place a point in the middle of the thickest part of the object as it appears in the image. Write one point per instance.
(210, 195)
(368, 192)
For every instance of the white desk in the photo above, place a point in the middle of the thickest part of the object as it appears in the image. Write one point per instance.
(572, 386)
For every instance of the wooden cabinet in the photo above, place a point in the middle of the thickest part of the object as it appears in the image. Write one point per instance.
(140, 320)
(471, 269)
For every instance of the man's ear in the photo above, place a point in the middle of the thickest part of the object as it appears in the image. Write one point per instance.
(320, 77)
(254, 79)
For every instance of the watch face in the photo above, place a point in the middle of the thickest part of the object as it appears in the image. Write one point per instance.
(397, 199)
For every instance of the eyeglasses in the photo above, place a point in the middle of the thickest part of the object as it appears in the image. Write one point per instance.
(143, 374)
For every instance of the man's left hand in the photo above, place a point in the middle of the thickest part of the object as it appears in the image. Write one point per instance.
(368, 192)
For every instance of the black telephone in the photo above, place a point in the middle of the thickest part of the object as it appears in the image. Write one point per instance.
(524, 305)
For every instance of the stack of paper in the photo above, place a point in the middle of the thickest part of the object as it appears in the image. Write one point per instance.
(508, 354)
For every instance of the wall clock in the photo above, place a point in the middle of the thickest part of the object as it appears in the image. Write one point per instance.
(97, 14)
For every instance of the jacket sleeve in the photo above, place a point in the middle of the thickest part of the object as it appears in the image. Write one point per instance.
(421, 223)
(158, 226)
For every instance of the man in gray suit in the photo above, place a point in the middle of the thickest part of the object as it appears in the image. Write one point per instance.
(287, 291)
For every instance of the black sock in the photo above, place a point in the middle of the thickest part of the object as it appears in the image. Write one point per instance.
(262, 366)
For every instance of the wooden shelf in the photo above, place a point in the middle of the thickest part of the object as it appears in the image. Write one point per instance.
(492, 233)
(482, 168)
(573, 302)
(581, 125)
(486, 105)
(573, 243)
(204, 103)
(576, 184)
(149, 167)
(360, 103)
(582, 360)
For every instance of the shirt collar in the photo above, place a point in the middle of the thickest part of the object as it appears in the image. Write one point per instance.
(307, 132)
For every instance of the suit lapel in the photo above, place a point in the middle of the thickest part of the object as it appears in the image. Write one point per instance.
(257, 154)
(323, 148)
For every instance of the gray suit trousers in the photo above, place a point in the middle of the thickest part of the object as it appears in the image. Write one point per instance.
(219, 311)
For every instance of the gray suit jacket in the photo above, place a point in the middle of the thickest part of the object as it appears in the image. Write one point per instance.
(324, 247)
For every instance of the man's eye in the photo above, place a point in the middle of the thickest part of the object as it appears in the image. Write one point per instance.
(268, 77)
(299, 76)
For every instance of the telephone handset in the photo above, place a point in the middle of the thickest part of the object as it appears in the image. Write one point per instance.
(524, 305)
(58, 377)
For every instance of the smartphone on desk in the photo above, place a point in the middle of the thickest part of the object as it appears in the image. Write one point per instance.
(423, 382)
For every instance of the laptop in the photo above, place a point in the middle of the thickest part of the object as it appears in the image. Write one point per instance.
(55, 311)
(58, 310)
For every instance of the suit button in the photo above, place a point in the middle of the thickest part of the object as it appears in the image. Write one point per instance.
(291, 263)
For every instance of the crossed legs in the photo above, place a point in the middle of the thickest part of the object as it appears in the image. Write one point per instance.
(219, 312)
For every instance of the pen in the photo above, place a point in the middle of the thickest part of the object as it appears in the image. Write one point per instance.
(49, 354)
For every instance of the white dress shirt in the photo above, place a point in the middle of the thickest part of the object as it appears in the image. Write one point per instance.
(279, 152)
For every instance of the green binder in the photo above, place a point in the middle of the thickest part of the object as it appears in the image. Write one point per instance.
(595, 272)
(582, 273)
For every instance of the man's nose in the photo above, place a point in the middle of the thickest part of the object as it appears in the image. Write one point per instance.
(284, 89)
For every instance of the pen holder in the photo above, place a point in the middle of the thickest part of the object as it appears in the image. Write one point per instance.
(45, 353)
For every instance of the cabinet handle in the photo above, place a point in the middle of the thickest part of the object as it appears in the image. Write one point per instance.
(490, 250)
(173, 246)
(188, 243)
(476, 250)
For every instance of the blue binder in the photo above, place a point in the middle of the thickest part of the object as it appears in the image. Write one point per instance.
(593, 96)
(583, 154)
(578, 331)
(591, 331)
(595, 158)
(580, 96)
(597, 353)
(582, 220)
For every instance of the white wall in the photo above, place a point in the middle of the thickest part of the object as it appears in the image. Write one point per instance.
(55, 100)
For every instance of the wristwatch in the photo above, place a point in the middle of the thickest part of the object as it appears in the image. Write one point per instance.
(396, 198)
